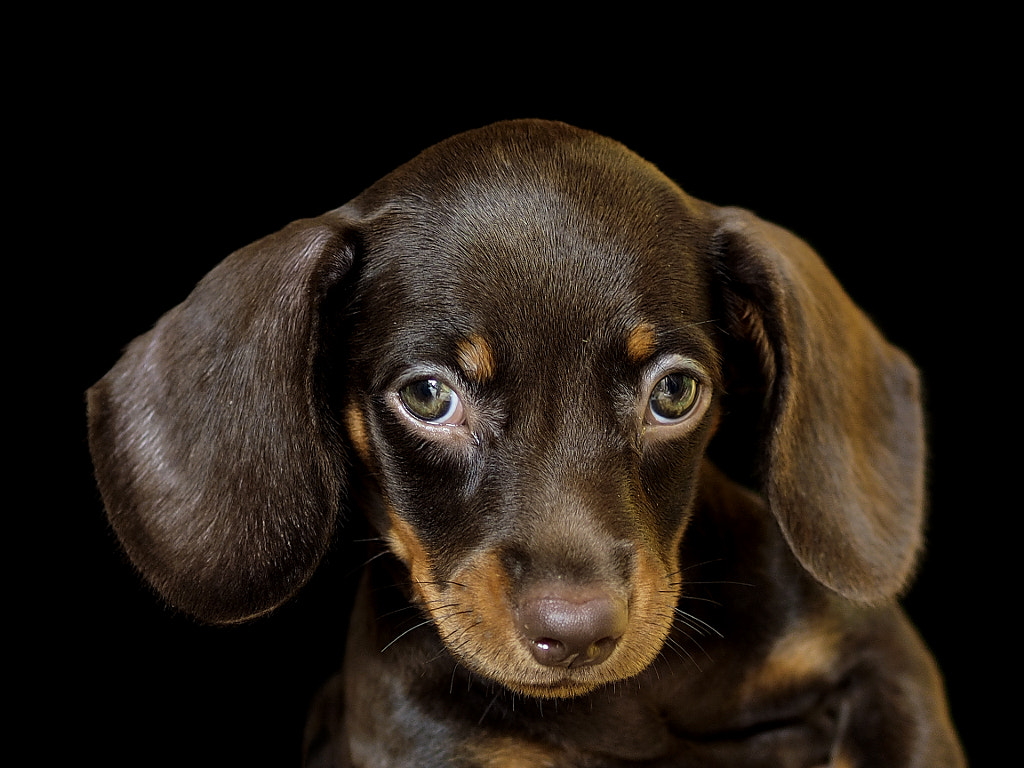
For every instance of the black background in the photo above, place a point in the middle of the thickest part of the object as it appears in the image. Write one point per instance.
(151, 158)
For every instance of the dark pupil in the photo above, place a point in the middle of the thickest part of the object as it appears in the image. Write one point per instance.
(428, 399)
(674, 395)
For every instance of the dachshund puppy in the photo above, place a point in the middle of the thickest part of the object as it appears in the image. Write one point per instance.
(646, 483)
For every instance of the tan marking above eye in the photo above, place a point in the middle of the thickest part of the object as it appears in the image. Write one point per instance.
(476, 358)
(640, 342)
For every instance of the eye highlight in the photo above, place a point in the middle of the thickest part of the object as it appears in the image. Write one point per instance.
(672, 398)
(432, 401)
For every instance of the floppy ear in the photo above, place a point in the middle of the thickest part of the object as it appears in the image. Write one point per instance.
(219, 471)
(842, 452)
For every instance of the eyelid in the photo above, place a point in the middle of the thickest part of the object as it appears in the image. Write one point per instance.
(676, 364)
(434, 430)
(420, 372)
(438, 389)
(665, 367)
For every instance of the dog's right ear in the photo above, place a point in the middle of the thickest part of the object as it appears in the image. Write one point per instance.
(219, 468)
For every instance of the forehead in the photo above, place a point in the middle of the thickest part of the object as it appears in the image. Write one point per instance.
(542, 253)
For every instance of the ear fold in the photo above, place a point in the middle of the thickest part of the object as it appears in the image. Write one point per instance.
(218, 469)
(843, 444)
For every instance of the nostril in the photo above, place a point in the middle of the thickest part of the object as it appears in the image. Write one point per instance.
(550, 652)
(569, 627)
(554, 653)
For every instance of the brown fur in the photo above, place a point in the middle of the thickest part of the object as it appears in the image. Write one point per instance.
(648, 481)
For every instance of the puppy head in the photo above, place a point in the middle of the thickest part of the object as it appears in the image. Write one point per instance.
(535, 402)
(521, 335)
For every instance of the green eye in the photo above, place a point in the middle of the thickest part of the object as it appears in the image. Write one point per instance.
(672, 398)
(432, 401)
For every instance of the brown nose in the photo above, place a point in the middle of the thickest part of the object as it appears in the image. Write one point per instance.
(571, 626)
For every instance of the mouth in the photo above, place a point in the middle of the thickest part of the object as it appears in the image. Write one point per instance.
(528, 677)
(552, 639)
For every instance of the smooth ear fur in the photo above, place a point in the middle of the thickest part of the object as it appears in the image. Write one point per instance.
(843, 446)
(219, 471)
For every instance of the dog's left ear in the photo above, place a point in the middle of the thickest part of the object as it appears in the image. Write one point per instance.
(218, 465)
(842, 448)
